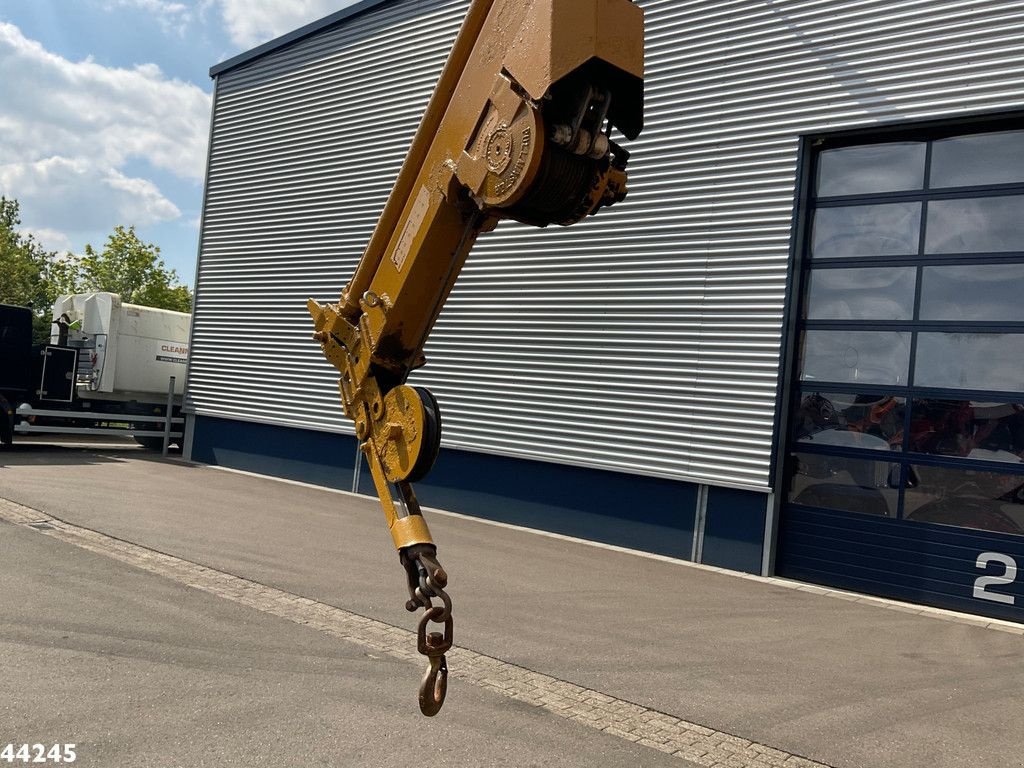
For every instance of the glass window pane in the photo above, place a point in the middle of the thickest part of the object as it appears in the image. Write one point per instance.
(976, 225)
(992, 361)
(862, 294)
(850, 485)
(973, 292)
(891, 229)
(872, 168)
(866, 421)
(984, 158)
(857, 357)
(969, 429)
(991, 501)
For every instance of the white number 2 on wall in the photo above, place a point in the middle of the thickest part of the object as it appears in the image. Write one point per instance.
(1008, 577)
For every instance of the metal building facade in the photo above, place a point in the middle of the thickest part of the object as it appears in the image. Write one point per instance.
(646, 340)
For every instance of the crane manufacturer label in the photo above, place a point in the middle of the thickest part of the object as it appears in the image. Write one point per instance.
(412, 226)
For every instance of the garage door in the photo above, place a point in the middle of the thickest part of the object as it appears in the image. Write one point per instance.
(906, 426)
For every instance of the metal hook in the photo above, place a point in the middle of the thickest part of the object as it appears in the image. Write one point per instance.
(426, 580)
(434, 686)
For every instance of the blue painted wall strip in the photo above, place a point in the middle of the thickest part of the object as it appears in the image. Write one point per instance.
(643, 513)
(734, 529)
(323, 458)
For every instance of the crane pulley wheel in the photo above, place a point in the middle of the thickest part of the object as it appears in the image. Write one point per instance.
(431, 442)
(412, 430)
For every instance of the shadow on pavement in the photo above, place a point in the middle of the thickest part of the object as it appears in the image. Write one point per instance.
(27, 454)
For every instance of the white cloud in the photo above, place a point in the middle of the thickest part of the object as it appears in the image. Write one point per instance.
(247, 22)
(140, 199)
(50, 239)
(53, 106)
(250, 22)
(69, 129)
(172, 16)
(81, 195)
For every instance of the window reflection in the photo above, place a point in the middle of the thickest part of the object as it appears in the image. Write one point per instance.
(873, 168)
(991, 501)
(890, 229)
(888, 451)
(968, 429)
(864, 357)
(862, 294)
(984, 158)
(848, 485)
(990, 361)
(976, 225)
(866, 421)
(973, 292)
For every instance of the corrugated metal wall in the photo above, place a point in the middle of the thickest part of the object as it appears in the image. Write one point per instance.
(644, 340)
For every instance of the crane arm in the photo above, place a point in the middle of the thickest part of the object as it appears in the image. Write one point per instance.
(519, 127)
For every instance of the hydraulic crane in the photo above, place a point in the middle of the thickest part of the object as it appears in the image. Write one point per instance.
(520, 126)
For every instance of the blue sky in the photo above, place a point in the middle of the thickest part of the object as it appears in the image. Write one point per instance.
(105, 109)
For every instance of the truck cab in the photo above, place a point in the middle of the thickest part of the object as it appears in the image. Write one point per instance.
(15, 364)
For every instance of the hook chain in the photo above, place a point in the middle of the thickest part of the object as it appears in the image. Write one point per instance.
(427, 580)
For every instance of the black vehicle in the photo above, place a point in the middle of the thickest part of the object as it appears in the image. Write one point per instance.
(15, 364)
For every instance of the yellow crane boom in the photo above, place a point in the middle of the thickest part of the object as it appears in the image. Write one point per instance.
(520, 126)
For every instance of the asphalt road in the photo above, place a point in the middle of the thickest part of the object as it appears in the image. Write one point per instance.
(849, 684)
(136, 670)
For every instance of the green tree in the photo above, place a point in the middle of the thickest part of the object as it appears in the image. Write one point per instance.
(24, 269)
(31, 276)
(128, 267)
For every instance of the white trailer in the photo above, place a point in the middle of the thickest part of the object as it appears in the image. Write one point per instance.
(126, 349)
(126, 364)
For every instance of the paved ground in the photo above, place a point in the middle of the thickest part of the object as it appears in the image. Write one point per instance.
(136, 670)
(843, 683)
